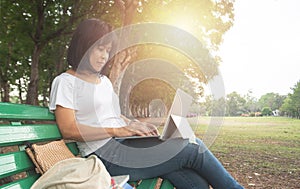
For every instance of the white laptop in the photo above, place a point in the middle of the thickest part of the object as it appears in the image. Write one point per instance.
(176, 124)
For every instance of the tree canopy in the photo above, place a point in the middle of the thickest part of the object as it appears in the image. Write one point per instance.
(247, 105)
(35, 36)
(291, 104)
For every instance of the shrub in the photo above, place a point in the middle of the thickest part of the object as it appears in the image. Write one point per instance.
(266, 111)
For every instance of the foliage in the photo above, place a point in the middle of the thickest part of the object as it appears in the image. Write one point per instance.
(213, 107)
(148, 90)
(249, 106)
(180, 61)
(36, 35)
(218, 107)
(272, 100)
(235, 104)
(14, 48)
(291, 105)
(207, 20)
(287, 107)
(266, 111)
(295, 97)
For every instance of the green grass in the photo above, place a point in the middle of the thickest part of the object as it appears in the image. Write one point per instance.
(259, 151)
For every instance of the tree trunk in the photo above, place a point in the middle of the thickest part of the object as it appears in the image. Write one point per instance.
(148, 110)
(5, 89)
(121, 62)
(60, 64)
(5, 86)
(32, 93)
(20, 91)
(45, 94)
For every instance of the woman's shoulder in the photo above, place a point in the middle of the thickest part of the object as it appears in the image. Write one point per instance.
(105, 79)
(64, 78)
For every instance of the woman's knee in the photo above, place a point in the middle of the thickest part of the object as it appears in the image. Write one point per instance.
(202, 146)
(186, 179)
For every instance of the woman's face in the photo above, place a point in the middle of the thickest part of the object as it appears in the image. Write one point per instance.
(99, 56)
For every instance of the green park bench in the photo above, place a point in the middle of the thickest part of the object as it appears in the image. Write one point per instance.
(20, 123)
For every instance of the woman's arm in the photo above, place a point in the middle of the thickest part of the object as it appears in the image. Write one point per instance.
(152, 128)
(71, 129)
(127, 120)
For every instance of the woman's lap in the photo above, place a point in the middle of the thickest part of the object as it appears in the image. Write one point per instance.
(141, 158)
(169, 159)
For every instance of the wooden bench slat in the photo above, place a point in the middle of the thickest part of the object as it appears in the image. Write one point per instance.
(22, 183)
(73, 148)
(12, 135)
(12, 111)
(147, 183)
(166, 185)
(13, 163)
(17, 162)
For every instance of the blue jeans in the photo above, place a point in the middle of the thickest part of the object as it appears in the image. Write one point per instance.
(192, 166)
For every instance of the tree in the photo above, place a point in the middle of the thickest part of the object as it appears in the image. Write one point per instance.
(291, 105)
(50, 19)
(38, 23)
(145, 92)
(235, 104)
(295, 98)
(31, 29)
(207, 20)
(208, 104)
(218, 107)
(213, 106)
(213, 18)
(287, 107)
(251, 105)
(13, 50)
(266, 111)
(272, 100)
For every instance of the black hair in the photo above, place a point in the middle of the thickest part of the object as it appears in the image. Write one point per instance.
(87, 33)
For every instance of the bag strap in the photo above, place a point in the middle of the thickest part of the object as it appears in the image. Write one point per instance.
(30, 152)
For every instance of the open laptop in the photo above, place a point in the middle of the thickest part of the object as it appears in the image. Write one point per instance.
(176, 124)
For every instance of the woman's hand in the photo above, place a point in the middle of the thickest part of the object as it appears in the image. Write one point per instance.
(136, 128)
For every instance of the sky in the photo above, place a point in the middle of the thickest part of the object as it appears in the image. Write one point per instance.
(261, 52)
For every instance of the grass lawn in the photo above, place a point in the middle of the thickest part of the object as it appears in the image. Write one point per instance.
(260, 152)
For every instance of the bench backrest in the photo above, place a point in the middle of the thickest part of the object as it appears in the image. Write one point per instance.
(20, 123)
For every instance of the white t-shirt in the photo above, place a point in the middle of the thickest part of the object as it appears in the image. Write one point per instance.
(95, 105)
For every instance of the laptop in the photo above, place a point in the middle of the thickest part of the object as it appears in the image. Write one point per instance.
(176, 124)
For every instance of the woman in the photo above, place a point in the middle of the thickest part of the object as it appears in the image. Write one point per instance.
(87, 110)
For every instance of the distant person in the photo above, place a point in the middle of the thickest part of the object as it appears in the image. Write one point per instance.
(87, 110)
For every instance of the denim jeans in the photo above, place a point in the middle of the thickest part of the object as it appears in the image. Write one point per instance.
(189, 166)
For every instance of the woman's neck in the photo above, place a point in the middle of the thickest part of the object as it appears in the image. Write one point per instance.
(86, 76)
